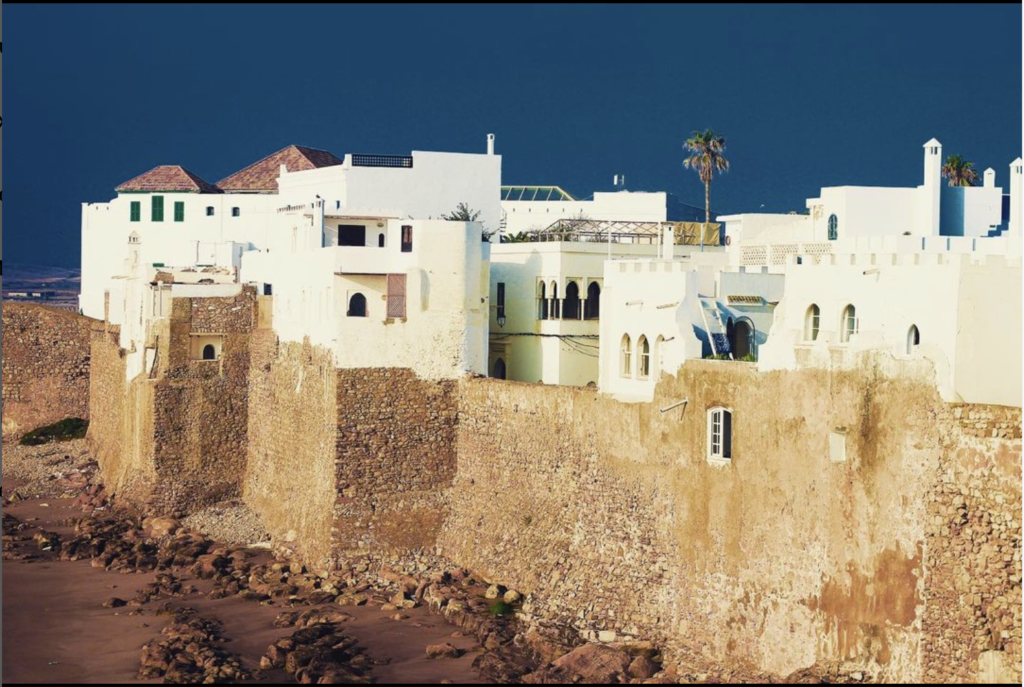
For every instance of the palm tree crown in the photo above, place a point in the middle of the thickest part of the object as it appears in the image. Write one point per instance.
(959, 171)
(706, 150)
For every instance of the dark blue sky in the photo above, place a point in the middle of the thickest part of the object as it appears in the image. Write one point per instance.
(806, 96)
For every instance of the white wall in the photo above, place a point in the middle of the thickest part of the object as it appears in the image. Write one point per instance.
(549, 351)
(956, 316)
(445, 332)
(107, 226)
(657, 299)
(433, 186)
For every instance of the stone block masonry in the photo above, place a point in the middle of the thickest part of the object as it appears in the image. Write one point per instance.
(611, 518)
(293, 431)
(175, 438)
(395, 460)
(899, 555)
(46, 358)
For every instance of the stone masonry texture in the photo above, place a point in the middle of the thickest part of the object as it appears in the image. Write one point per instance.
(46, 361)
(903, 560)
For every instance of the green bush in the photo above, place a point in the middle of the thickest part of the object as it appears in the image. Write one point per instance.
(501, 609)
(65, 430)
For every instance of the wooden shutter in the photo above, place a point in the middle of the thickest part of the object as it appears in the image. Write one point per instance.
(396, 295)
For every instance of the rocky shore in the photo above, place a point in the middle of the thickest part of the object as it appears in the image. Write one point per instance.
(199, 610)
(328, 625)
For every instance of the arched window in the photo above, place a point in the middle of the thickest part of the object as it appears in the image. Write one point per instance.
(913, 338)
(626, 360)
(209, 352)
(593, 301)
(556, 310)
(719, 435)
(543, 310)
(380, 240)
(812, 322)
(850, 325)
(357, 305)
(499, 369)
(833, 227)
(644, 348)
(572, 301)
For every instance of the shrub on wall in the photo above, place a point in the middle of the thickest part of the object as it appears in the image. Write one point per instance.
(65, 430)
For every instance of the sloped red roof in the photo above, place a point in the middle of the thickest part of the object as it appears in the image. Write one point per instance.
(168, 178)
(261, 177)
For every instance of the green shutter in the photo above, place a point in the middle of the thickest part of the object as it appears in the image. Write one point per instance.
(179, 211)
(158, 208)
(136, 211)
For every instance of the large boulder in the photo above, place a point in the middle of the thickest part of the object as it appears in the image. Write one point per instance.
(594, 664)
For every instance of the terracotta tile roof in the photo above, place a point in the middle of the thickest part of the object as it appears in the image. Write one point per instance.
(168, 178)
(261, 177)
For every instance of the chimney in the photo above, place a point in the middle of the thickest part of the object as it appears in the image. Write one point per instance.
(990, 178)
(932, 189)
(668, 243)
(490, 144)
(1016, 175)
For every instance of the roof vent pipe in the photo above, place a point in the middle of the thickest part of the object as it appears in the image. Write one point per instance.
(490, 144)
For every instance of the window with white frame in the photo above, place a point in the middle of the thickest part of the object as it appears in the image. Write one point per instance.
(719, 435)
(850, 324)
(812, 323)
(626, 362)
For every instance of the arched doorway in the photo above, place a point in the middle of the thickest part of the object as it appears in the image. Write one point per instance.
(742, 340)
(572, 302)
(499, 369)
(593, 301)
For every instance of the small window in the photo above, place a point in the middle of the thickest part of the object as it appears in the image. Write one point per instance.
(268, 289)
(406, 238)
(644, 347)
(850, 324)
(380, 240)
(357, 305)
(833, 227)
(626, 359)
(543, 309)
(158, 209)
(136, 211)
(179, 211)
(209, 352)
(236, 212)
(812, 323)
(913, 338)
(501, 299)
(209, 211)
(719, 435)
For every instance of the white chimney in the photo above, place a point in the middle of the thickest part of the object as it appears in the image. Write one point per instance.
(990, 178)
(668, 243)
(490, 144)
(1016, 189)
(932, 189)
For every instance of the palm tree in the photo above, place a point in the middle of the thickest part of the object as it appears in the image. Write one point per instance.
(959, 171)
(706, 148)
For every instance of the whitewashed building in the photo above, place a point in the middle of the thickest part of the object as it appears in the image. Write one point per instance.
(352, 250)
(929, 271)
